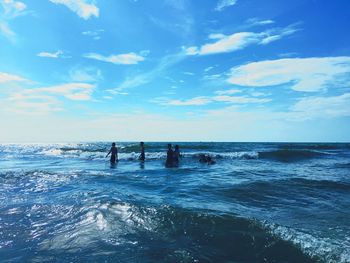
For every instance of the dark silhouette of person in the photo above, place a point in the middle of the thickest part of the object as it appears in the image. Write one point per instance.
(114, 154)
(176, 156)
(142, 154)
(169, 156)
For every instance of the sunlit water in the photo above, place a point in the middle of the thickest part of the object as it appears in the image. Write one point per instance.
(261, 202)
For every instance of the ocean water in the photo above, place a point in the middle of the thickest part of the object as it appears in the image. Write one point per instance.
(260, 202)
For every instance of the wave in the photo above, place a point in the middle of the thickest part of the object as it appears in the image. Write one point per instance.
(315, 146)
(321, 184)
(322, 249)
(284, 188)
(121, 231)
(342, 165)
(131, 152)
(90, 149)
(291, 154)
(185, 155)
(277, 155)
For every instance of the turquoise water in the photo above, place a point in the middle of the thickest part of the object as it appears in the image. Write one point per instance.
(260, 202)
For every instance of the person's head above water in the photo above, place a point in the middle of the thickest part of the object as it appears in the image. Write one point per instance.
(176, 147)
(141, 143)
(169, 146)
(113, 144)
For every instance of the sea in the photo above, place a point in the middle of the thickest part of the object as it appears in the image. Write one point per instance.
(260, 202)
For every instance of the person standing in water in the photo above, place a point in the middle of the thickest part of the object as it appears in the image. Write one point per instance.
(176, 156)
(169, 156)
(114, 154)
(142, 154)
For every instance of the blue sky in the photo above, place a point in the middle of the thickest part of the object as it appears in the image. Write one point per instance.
(174, 70)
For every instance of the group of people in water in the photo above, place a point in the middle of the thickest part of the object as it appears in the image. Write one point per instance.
(172, 157)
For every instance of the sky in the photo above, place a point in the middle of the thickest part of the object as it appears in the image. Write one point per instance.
(174, 70)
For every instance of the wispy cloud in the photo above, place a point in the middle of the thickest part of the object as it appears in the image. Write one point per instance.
(6, 77)
(259, 22)
(188, 73)
(178, 21)
(46, 99)
(181, 25)
(191, 102)
(321, 107)
(237, 41)
(212, 77)
(277, 34)
(228, 92)
(222, 4)
(259, 94)
(208, 69)
(56, 54)
(6, 31)
(126, 59)
(204, 100)
(116, 92)
(95, 34)
(85, 74)
(72, 91)
(239, 99)
(302, 74)
(146, 77)
(12, 9)
(83, 8)
(33, 104)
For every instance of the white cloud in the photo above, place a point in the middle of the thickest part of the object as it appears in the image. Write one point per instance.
(83, 8)
(21, 97)
(126, 59)
(302, 74)
(188, 73)
(85, 74)
(95, 34)
(227, 44)
(321, 107)
(191, 102)
(288, 54)
(228, 92)
(240, 40)
(212, 77)
(239, 99)
(274, 35)
(259, 94)
(33, 104)
(56, 54)
(116, 92)
(72, 91)
(12, 8)
(202, 100)
(6, 77)
(216, 36)
(157, 71)
(270, 39)
(208, 69)
(222, 4)
(258, 22)
(6, 31)
(180, 22)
